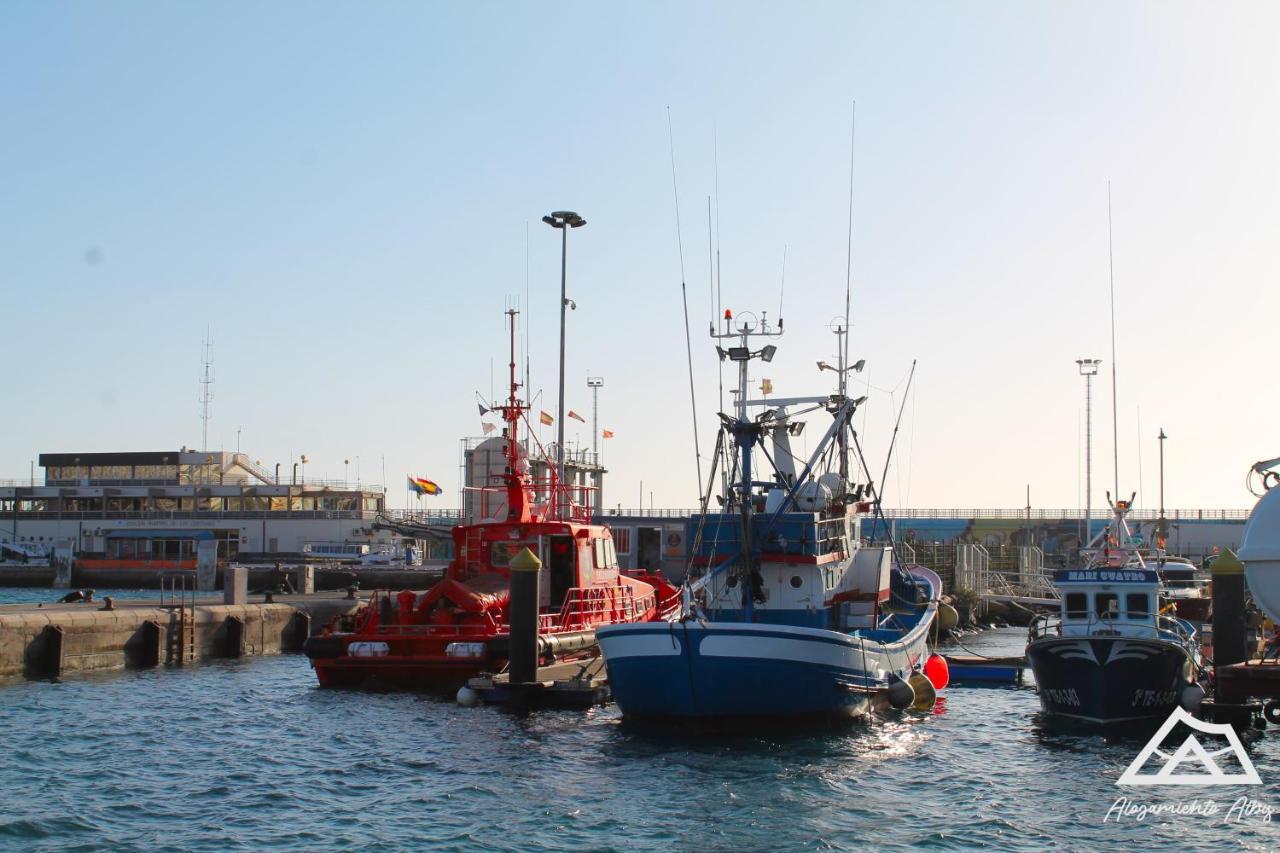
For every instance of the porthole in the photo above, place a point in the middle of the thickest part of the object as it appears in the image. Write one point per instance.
(796, 581)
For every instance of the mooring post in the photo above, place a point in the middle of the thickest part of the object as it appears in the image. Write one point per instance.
(1228, 611)
(526, 571)
(206, 565)
(235, 585)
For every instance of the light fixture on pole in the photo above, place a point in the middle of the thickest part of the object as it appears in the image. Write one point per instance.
(1088, 369)
(563, 220)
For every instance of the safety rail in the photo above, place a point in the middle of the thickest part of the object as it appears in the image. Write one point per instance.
(585, 607)
(1051, 624)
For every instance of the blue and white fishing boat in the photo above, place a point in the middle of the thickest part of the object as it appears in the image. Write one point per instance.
(1110, 655)
(787, 611)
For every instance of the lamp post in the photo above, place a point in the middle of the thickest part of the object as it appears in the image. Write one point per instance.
(1088, 369)
(595, 383)
(1162, 437)
(563, 220)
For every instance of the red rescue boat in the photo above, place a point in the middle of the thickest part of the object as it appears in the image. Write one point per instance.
(459, 628)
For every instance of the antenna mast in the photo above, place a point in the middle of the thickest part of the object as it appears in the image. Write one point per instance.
(1115, 429)
(848, 287)
(206, 388)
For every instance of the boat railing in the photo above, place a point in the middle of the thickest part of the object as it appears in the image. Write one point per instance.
(1052, 624)
(585, 607)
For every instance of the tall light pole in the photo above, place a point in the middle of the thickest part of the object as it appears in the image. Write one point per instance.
(564, 220)
(595, 383)
(1088, 369)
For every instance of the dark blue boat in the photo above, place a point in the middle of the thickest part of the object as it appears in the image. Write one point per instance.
(1109, 656)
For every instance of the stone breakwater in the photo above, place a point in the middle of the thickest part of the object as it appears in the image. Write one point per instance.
(54, 640)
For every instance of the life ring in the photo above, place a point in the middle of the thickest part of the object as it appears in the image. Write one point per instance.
(1271, 712)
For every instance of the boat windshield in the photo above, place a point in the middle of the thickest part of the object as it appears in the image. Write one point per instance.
(501, 553)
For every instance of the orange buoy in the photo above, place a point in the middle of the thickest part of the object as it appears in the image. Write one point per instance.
(935, 669)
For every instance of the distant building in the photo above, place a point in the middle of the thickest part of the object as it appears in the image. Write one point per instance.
(152, 507)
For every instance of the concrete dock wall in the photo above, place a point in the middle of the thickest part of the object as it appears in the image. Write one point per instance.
(58, 640)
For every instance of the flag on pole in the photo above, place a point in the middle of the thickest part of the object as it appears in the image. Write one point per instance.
(607, 433)
(488, 428)
(423, 486)
(576, 416)
(546, 419)
(483, 410)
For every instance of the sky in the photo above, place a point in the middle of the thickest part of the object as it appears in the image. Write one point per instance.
(349, 196)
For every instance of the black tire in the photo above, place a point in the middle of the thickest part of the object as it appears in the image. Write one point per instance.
(1271, 712)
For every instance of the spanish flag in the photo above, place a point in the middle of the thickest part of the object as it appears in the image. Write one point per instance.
(423, 486)
(546, 419)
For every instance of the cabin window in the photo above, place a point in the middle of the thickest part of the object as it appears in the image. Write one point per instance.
(1077, 605)
(1137, 603)
(500, 553)
(1106, 604)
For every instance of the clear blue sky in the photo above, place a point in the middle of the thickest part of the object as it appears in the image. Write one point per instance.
(342, 191)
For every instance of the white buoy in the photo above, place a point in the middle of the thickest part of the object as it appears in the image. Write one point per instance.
(1191, 697)
(467, 697)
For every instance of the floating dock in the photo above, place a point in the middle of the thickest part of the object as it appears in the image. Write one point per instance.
(576, 684)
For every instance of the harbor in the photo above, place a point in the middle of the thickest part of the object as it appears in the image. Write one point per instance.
(672, 427)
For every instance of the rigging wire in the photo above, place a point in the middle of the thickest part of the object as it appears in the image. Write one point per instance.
(889, 454)
(684, 298)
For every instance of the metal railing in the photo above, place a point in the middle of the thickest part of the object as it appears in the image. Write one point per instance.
(964, 514)
(1051, 624)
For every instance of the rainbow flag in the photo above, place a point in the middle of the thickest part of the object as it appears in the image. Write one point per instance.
(423, 486)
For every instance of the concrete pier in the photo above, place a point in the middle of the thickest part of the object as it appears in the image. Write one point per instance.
(55, 640)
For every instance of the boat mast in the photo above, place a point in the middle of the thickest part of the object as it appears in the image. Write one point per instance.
(517, 484)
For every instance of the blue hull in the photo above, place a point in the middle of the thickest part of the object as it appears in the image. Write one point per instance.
(725, 670)
(1108, 679)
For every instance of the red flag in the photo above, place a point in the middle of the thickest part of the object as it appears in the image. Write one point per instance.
(607, 433)
(576, 416)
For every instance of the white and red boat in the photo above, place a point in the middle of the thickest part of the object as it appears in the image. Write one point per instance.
(459, 628)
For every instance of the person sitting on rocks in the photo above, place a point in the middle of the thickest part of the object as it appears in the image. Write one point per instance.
(72, 597)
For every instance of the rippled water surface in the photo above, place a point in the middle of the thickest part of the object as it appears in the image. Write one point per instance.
(249, 754)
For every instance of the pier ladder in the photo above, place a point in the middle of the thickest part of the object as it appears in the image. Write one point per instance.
(178, 594)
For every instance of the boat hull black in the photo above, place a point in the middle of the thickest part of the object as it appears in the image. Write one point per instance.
(1108, 679)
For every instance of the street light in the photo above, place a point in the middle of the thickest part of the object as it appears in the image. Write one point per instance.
(1088, 369)
(563, 220)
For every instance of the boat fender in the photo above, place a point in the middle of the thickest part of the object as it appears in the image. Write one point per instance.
(467, 697)
(925, 693)
(948, 616)
(1271, 712)
(901, 694)
(937, 671)
(1191, 697)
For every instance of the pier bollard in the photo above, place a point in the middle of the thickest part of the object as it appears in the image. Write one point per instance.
(235, 585)
(304, 579)
(523, 616)
(1228, 610)
(207, 565)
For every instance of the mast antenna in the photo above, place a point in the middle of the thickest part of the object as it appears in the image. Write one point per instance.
(848, 288)
(1115, 418)
(684, 298)
(206, 388)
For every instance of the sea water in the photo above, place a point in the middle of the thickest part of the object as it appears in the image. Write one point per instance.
(251, 753)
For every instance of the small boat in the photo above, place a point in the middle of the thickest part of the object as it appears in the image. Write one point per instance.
(459, 628)
(1109, 656)
(792, 615)
(1183, 588)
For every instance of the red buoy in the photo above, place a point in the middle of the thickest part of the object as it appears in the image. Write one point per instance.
(935, 669)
